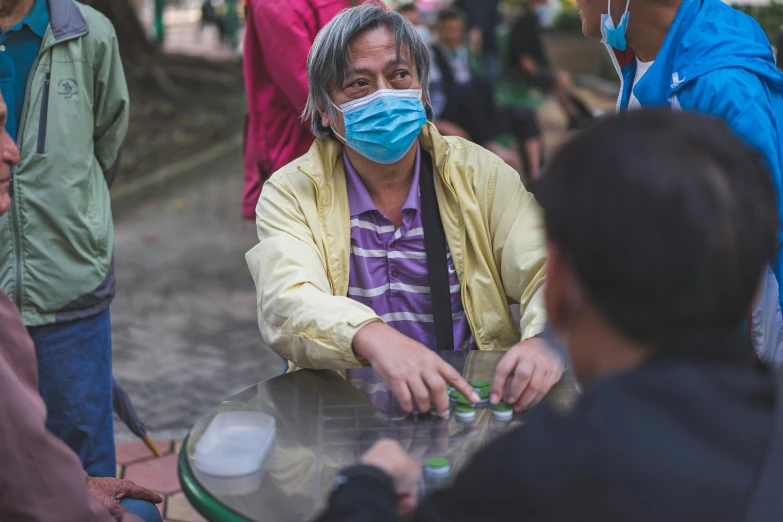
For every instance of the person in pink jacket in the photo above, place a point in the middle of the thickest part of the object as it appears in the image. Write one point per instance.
(278, 38)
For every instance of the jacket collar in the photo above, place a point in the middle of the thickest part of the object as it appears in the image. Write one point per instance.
(66, 19)
(325, 156)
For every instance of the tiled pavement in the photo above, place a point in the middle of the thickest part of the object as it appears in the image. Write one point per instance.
(136, 463)
(184, 321)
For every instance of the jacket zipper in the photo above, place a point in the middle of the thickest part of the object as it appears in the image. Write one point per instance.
(15, 228)
(620, 74)
(17, 247)
(43, 118)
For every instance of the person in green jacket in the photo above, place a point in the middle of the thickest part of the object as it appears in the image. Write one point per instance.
(62, 78)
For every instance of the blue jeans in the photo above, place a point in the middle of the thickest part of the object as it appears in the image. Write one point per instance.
(74, 373)
(147, 511)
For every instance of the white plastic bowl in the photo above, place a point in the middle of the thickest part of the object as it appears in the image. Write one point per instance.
(235, 443)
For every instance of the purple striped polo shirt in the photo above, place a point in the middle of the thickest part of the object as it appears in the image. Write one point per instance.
(388, 270)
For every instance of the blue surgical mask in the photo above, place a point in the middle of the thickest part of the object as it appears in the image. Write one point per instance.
(611, 35)
(383, 126)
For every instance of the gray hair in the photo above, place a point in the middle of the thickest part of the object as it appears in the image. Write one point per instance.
(330, 57)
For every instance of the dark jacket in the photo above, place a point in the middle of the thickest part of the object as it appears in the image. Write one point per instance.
(675, 441)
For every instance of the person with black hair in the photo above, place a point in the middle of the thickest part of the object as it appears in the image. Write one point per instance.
(529, 64)
(659, 226)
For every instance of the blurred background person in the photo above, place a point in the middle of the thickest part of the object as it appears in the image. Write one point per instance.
(278, 37)
(209, 16)
(464, 103)
(529, 64)
(412, 13)
(483, 17)
(658, 226)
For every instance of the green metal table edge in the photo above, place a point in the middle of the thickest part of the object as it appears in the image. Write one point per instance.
(207, 506)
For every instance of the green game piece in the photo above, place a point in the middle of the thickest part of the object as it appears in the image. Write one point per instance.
(438, 463)
(464, 409)
(484, 393)
(463, 401)
(479, 384)
(454, 394)
(502, 407)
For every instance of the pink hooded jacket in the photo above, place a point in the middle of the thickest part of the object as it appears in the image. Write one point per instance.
(278, 38)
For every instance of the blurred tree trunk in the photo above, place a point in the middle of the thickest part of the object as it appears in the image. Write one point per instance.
(136, 49)
(141, 58)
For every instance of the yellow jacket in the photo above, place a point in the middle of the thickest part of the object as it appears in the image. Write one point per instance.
(300, 266)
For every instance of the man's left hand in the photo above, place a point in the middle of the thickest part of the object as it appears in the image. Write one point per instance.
(526, 374)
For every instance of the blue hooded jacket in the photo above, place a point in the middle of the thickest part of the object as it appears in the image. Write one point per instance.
(716, 60)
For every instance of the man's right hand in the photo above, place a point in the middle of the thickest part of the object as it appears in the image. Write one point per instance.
(109, 492)
(409, 369)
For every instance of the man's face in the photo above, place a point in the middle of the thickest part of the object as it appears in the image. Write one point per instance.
(374, 66)
(413, 16)
(451, 33)
(9, 155)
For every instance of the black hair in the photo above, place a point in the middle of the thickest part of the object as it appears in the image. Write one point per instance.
(668, 220)
(408, 8)
(452, 13)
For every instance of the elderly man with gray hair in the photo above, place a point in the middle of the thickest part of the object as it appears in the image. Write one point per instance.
(388, 241)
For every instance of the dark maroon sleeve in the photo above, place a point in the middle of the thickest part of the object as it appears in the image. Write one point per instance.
(41, 479)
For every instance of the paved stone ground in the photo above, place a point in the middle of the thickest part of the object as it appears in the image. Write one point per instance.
(184, 321)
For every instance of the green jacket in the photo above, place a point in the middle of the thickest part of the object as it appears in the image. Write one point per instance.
(57, 242)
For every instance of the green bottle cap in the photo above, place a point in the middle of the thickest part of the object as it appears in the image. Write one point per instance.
(438, 463)
(465, 409)
(463, 401)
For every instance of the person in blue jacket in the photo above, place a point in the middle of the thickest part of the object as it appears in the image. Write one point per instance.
(704, 56)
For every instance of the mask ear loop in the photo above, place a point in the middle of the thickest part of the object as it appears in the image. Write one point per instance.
(332, 128)
(609, 9)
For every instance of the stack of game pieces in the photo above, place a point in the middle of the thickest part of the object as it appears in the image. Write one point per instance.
(502, 412)
(483, 389)
(434, 411)
(437, 468)
(465, 413)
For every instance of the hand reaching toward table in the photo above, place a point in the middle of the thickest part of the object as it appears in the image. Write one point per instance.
(413, 373)
(526, 374)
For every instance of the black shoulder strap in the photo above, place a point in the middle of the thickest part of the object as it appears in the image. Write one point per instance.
(435, 247)
(445, 69)
(767, 501)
